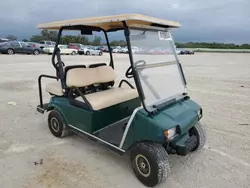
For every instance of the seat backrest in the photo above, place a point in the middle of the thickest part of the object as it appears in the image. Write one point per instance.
(72, 67)
(81, 77)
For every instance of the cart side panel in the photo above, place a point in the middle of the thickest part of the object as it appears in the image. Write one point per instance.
(91, 121)
(143, 128)
(110, 115)
(77, 117)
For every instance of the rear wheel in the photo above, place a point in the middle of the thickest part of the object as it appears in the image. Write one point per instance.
(200, 132)
(10, 51)
(150, 163)
(73, 53)
(100, 53)
(87, 53)
(56, 124)
(36, 52)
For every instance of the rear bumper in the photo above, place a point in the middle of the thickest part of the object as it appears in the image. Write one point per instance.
(183, 144)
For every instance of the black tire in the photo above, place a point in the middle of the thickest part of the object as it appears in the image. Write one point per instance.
(87, 53)
(73, 53)
(36, 52)
(200, 132)
(100, 53)
(10, 51)
(150, 163)
(56, 125)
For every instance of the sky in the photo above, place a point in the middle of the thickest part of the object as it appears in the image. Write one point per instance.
(207, 21)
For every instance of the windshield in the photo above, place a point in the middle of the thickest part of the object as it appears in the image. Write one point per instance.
(156, 63)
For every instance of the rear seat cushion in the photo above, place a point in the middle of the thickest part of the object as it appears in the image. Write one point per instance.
(54, 88)
(110, 97)
(81, 77)
(72, 67)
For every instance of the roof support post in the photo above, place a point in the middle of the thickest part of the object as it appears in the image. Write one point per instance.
(135, 73)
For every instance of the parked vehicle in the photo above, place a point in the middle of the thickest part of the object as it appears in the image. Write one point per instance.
(64, 50)
(4, 40)
(186, 52)
(178, 51)
(47, 44)
(117, 49)
(13, 47)
(76, 46)
(124, 50)
(89, 51)
(136, 49)
(150, 118)
(106, 49)
(34, 44)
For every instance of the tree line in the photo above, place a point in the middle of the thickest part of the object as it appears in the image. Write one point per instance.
(213, 45)
(97, 41)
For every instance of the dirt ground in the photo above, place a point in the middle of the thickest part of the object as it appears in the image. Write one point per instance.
(220, 82)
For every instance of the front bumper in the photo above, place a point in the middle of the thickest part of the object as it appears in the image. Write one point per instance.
(183, 144)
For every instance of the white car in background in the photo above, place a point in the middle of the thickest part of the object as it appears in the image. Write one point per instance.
(89, 50)
(117, 49)
(136, 49)
(64, 50)
(124, 50)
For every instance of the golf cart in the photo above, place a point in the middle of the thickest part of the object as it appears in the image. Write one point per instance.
(149, 114)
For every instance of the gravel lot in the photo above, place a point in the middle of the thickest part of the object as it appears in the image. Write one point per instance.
(219, 82)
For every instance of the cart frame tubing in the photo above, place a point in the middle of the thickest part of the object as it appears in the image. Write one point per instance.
(40, 86)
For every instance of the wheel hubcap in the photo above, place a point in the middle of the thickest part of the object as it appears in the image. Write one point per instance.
(54, 124)
(143, 165)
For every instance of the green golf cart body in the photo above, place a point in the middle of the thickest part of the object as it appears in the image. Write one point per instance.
(140, 119)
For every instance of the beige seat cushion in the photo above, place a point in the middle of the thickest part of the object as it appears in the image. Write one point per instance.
(54, 88)
(81, 77)
(107, 98)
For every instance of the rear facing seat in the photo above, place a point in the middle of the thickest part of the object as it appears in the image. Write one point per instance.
(81, 77)
(54, 88)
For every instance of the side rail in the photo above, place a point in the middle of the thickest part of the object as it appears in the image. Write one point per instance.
(40, 107)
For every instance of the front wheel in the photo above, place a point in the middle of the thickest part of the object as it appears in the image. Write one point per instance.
(199, 132)
(87, 53)
(73, 53)
(56, 124)
(150, 163)
(100, 53)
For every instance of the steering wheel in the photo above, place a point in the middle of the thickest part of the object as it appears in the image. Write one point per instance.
(129, 72)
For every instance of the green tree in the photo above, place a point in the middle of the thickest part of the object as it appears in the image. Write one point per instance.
(66, 39)
(118, 43)
(45, 35)
(213, 45)
(49, 35)
(96, 41)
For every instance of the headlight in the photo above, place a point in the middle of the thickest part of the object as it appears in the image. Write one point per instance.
(199, 113)
(170, 133)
